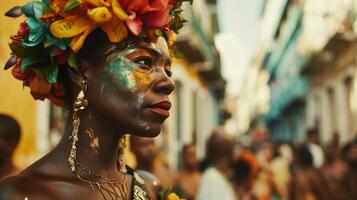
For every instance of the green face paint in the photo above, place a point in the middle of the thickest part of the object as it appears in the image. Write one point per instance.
(131, 68)
(121, 74)
(119, 71)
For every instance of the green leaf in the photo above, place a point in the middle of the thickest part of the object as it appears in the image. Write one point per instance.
(47, 71)
(30, 61)
(18, 49)
(22, 51)
(52, 74)
(72, 5)
(72, 61)
(48, 44)
(47, 10)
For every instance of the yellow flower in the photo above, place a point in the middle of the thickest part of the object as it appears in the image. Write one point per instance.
(173, 196)
(106, 14)
(100, 15)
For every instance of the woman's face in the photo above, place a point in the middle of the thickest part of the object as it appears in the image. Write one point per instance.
(130, 90)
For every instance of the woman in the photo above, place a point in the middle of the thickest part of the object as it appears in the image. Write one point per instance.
(108, 62)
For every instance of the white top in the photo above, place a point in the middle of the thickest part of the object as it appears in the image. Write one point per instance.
(317, 155)
(215, 186)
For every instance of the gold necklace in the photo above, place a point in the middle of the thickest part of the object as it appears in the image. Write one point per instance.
(109, 188)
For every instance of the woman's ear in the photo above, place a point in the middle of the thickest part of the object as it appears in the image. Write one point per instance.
(82, 73)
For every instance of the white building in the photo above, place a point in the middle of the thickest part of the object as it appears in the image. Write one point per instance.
(331, 102)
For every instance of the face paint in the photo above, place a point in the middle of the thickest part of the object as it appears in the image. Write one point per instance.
(93, 140)
(128, 79)
(162, 47)
(122, 74)
(141, 78)
(126, 73)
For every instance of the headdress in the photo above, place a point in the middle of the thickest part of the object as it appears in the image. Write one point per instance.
(55, 30)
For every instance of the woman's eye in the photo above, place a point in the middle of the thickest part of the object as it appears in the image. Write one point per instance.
(144, 62)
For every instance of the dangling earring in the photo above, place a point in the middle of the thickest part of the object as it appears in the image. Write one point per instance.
(108, 187)
(122, 146)
(80, 104)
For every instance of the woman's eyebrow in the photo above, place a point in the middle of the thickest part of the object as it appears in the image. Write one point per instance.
(154, 51)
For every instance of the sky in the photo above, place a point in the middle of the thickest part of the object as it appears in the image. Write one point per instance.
(239, 38)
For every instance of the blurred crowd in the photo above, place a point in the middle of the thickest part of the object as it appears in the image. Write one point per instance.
(264, 170)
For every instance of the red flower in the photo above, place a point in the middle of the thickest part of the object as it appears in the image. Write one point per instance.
(24, 29)
(57, 95)
(16, 71)
(61, 56)
(42, 89)
(39, 85)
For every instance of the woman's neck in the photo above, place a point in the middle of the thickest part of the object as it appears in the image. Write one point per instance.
(97, 146)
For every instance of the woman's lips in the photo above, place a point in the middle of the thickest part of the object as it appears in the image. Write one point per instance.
(161, 108)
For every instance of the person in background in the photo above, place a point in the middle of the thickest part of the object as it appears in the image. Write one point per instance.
(335, 142)
(215, 184)
(146, 151)
(315, 148)
(189, 176)
(264, 187)
(280, 169)
(308, 183)
(245, 171)
(349, 155)
(334, 172)
(9, 138)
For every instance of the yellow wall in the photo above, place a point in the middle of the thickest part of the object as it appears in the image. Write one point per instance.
(14, 99)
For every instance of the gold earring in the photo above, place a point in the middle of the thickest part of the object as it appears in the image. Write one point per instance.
(80, 103)
(122, 146)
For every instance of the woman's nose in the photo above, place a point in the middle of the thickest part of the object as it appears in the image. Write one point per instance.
(164, 84)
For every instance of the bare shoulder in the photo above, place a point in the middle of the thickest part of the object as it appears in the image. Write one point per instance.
(32, 186)
(14, 188)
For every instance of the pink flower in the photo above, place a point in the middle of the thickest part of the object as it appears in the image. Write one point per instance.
(134, 23)
(150, 13)
(158, 19)
(143, 6)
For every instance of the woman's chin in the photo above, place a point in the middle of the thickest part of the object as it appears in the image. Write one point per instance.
(149, 131)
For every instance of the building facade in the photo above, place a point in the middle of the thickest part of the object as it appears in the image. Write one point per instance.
(284, 62)
(332, 68)
(311, 58)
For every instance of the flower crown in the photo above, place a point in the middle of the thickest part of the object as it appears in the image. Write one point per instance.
(55, 30)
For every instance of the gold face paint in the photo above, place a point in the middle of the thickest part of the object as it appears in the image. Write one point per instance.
(93, 140)
(142, 79)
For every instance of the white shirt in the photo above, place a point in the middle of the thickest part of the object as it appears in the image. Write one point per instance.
(318, 157)
(215, 186)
